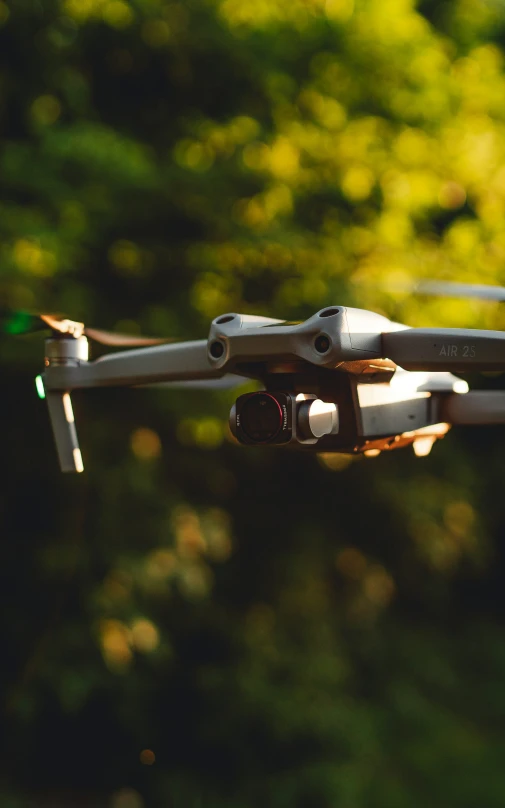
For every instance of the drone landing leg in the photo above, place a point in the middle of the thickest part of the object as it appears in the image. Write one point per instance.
(65, 435)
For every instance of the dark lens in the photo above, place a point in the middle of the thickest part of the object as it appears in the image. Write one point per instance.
(261, 417)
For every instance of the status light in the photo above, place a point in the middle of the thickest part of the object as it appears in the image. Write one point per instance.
(39, 384)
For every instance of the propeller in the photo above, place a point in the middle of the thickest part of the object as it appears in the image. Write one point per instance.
(23, 322)
(478, 291)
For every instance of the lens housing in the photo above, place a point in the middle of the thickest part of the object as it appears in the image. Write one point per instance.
(259, 418)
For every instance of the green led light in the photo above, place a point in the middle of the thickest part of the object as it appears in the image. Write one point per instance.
(39, 384)
(20, 322)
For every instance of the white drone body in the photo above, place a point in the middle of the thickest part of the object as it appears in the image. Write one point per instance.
(345, 380)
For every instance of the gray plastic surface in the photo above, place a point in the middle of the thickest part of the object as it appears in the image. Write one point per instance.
(475, 407)
(64, 431)
(183, 361)
(452, 349)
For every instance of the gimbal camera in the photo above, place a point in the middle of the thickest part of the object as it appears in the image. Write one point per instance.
(345, 380)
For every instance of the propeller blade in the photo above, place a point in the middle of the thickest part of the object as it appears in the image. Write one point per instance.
(23, 322)
(114, 339)
(449, 289)
(61, 324)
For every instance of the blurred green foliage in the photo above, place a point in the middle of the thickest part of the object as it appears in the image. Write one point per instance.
(190, 623)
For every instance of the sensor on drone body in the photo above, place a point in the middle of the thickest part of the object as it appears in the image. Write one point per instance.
(345, 380)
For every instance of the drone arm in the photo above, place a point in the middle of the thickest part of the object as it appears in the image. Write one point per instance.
(477, 407)
(452, 349)
(65, 435)
(184, 361)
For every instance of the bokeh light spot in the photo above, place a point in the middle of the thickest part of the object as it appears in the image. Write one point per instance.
(147, 757)
(160, 564)
(45, 110)
(357, 183)
(115, 644)
(339, 10)
(127, 798)
(125, 256)
(117, 14)
(34, 259)
(451, 195)
(144, 635)
(145, 444)
(156, 33)
(351, 563)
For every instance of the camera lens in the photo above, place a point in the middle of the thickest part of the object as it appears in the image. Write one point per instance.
(261, 417)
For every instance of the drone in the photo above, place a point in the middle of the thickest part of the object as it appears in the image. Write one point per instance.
(345, 380)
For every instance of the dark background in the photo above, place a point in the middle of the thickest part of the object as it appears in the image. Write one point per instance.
(191, 623)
